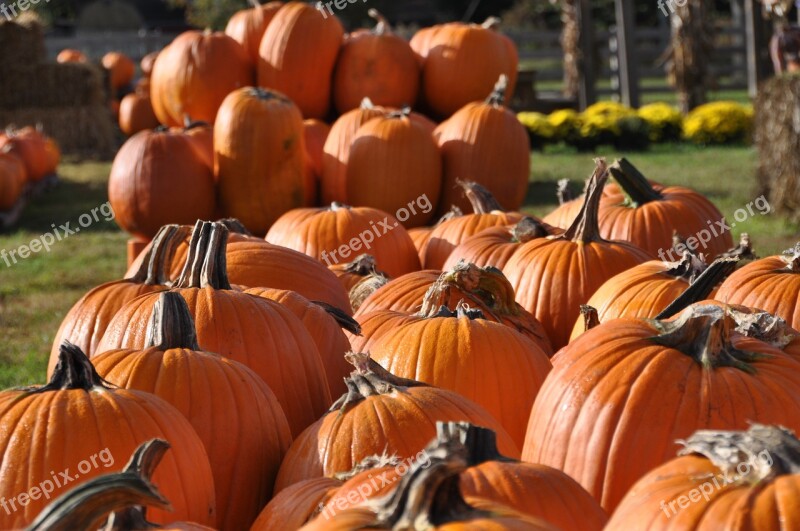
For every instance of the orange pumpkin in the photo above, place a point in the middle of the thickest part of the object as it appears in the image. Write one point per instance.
(315, 133)
(247, 26)
(52, 155)
(30, 146)
(259, 157)
(194, 74)
(69, 55)
(12, 179)
(136, 113)
(378, 65)
(295, 505)
(146, 64)
(297, 56)
(121, 69)
(201, 135)
(352, 273)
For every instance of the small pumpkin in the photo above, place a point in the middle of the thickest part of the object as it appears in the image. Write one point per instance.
(316, 134)
(13, 178)
(136, 113)
(421, 235)
(121, 69)
(295, 505)
(70, 55)
(30, 145)
(247, 26)
(146, 64)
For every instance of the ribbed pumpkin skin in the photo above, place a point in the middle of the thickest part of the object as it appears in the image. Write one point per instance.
(316, 134)
(257, 332)
(768, 284)
(552, 278)
(380, 67)
(295, 505)
(614, 392)
(490, 247)
(535, 490)
(156, 179)
(485, 143)
(331, 228)
(490, 363)
(31, 147)
(331, 342)
(401, 422)
(245, 449)
(57, 430)
(247, 27)
(13, 178)
(259, 157)
(394, 161)
(193, 75)
(336, 152)
(401, 294)
(136, 113)
(297, 56)
(446, 236)
(565, 214)
(462, 65)
(769, 506)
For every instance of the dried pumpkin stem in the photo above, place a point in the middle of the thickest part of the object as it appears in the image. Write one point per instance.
(702, 286)
(454, 212)
(363, 265)
(633, 183)
(743, 251)
(73, 371)
(171, 324)
(689, 267)
(382, 27)
(205, 262)
(369, 379)
(235, 226)
(498, 95)
(590, 318)
(528, 229)
(366, 287)
(586, 228)
(342, 319)
(486, 286)
(792, 258)
(481, 199)
(563, 193)
(154, 269)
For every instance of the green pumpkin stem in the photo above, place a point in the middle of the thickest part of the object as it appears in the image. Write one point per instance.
(633, 183)
(73, 371)
(171, 324)
(154, 269)
(585, 228)
(369, 379)
(205, 261)
(701, 287)
(481, 199)
(86, 506)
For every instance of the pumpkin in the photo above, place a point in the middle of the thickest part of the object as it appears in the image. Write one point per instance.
(721, 480)
(421, 235)
(259, 157)
(201, 135)
(332, 234)
(569, 206)
(52, 154)
(260, 333)
(297, 55)
(69, 55)
(30, 146)
(393, 165)
(295, 505)
(72, 426)
(498, 367)
(596, 407)
(336, 151)
(120, 68)
(378, 65)
(315, 133)
(448, 234)
(151, 170)
(352, 273)
(462, 64)
(324, 323)
(771, 284)
(146, 64)
(380, 414)
(247, 26)
(428, 496)
(136, 113)
(88, 318)
(254, 262)
(495, 246)
(553, 276)
(193, 75)
(485, 142)
(206, 389)
(366, 287)
(13, 178)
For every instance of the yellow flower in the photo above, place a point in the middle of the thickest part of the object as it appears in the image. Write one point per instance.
(718, 122)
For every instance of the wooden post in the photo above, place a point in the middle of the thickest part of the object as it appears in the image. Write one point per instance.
(587, 93)
(628, 69)
(756, 45)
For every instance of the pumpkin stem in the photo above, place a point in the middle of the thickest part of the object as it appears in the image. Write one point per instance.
(763, 326)
(85, 506)
(367, 104)
(481, 199)
(792, 258)
(205, 261)
(171, 325)
(235, 226)
(743, 251)
(154, 269)
(585, 228)
(369, 379)
(454, 212)
(73, 371)
(701, 287)
(366, 287)
(498, 95)
(255, 3)
(689, 267)
(265, 94)
(363, 265)
(189, 124)
(382, 27)
(769, 452)
(369, 463)
(336, 205)
(633, 183)
(563, 193)
(342, 319)
(590, 318)
(528, 229)
(704, 334)
(492, 23)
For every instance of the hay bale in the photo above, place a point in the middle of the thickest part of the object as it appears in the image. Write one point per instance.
(52, 85)
(777, 136)
(22, 44)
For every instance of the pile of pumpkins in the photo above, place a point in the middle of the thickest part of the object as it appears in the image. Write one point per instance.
(302, 115)
(26, 157)
(121, 71)
(493, 369)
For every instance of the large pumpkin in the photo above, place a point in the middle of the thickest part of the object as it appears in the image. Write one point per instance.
(245, 445)
(136, 113)
(379, 415)
(259, 157)
(295, 505)
(30, 146)
(553, 276)
(485, 142)
(634, 386)
(120, 69)
(158, 178)
(13, 178)
(247, 26)
(193, 75)
(68, 432)
(378, 65)
(262, 334)
(333, 235)
(727, 480)
(297, 55)
(316, 134)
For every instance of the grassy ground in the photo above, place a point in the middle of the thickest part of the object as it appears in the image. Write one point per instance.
(36, 293)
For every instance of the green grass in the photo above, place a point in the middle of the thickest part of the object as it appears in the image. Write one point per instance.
(36, 293)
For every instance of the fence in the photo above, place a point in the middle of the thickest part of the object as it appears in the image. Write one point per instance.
(134, 44)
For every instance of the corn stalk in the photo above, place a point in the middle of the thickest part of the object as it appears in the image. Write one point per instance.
(570, 43)
(691, 49)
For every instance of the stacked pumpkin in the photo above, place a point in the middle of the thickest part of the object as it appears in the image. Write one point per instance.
(26, 156)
